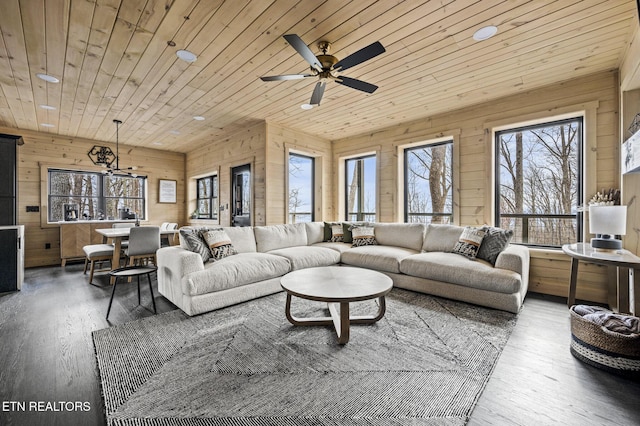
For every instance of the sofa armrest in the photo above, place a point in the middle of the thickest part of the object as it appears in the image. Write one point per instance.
(173, 264)
(515, 258)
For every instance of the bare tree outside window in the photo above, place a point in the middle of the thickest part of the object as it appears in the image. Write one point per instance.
(428, 183)
(301, 188)
(361, 188)
(538, 182)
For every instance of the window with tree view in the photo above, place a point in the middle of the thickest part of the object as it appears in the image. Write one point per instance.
(538, 182)
(97, 195)
(360, 188)
(301, 183)
(207, 200)
(428, 193)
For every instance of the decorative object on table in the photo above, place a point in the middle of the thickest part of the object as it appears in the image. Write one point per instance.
(117, 170)
(606, 340)
(101, 156)
(70, 212)
(608, 197)
(607, 222)
(426, 362)
(167, 191)
(194, 214)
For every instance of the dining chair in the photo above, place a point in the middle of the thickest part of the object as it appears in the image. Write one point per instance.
(144, 241)
(124, 243)
(165, 240)
(97, 253)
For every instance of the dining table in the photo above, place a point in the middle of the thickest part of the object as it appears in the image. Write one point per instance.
(116, 235)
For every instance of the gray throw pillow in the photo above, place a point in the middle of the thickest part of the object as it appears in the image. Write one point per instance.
(493, 243)
(195, 243)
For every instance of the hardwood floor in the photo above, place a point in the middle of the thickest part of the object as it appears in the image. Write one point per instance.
(47, 356)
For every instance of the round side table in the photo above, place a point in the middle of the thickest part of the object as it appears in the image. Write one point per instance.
(129, 272)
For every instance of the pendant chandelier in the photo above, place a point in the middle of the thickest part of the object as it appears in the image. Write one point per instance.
(117, 170)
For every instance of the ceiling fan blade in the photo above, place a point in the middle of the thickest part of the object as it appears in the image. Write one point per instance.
(286, 77)
(304, 51)
(356, 84)
(316, 97)
(362, 55)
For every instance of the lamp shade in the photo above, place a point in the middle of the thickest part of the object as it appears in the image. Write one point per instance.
(608, 220)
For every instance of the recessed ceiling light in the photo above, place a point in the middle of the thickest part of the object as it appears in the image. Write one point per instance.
(174, 132)
(306, 106)
(198, 118)
(47, 78)
(157, 143)
(47, 125)
(485, 33)
(48, 107)
(186, 56)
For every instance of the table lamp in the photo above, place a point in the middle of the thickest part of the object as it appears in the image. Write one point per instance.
(606, 222)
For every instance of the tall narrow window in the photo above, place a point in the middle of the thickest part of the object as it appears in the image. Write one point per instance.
(360, 189)
(428, 177)
(95, 195)
(301, 188)
(207, 200)
(538, 182)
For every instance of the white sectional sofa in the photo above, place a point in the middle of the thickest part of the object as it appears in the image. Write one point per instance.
(416, 257)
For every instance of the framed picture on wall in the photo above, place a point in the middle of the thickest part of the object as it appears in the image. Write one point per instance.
(167, 191)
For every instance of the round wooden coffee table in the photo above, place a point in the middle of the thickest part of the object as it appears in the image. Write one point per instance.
(337, 286)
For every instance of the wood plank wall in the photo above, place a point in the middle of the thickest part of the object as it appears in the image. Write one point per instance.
(549, 269)
(281, 141)
(218, 157)
(41, 148)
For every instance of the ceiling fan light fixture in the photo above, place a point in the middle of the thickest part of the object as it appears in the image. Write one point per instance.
(48, 78)
(306, 106)
(48, 107)
(485, 33)
(186, 56)
(198, 118)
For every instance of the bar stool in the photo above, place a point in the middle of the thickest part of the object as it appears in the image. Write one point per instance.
(128, 272)
(96, 253)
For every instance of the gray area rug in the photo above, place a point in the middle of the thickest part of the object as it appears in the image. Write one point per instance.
(425, 363)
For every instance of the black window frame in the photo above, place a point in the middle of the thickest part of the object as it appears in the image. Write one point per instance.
(579, 217)
(101, 197)
(406, 152)
(360, 215)
(214, 183)
(313, 185)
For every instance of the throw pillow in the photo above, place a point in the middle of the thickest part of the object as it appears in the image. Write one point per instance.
(363, 236)
(195, 243)
(469, 242)
(327, 230)
(493, 243)
(337, 234)
(346, 230)
(219, 243)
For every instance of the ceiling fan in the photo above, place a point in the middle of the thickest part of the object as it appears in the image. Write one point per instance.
(325, 66)
(117, 170)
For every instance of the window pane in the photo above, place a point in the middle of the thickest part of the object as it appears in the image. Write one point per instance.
(123, 186)
(428, 183)
(207, 200)
(301, 171)
(204, 188)
(539, 182)
(361, 189)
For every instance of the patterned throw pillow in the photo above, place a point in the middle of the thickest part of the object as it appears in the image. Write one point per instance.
(493, 243)
(219, 243)
(337, 234)
(347, 237)
(327, 230)
(469, 242)
(195, 243)
(363, 236)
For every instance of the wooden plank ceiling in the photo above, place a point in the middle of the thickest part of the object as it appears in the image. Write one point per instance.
(113, 61)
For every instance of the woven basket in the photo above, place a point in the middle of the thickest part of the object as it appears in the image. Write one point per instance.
(603, 348)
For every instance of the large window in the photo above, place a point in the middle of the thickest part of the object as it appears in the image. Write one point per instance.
(360, 191)
(96, 195)
(207, 200)
(428, 177)
(538, 182)
(301, 188)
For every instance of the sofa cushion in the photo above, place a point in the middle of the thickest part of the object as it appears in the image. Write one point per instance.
(441, 237)
(315, 232)
(493, 243)
(308, 256)
(363, 236)
(408, 235)
(339, 247)
(275, 237)
(469, 242)
(242, 238)
(235, 271)
(456, 269)
(219, 244)
(191, 239)
(381, 258)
